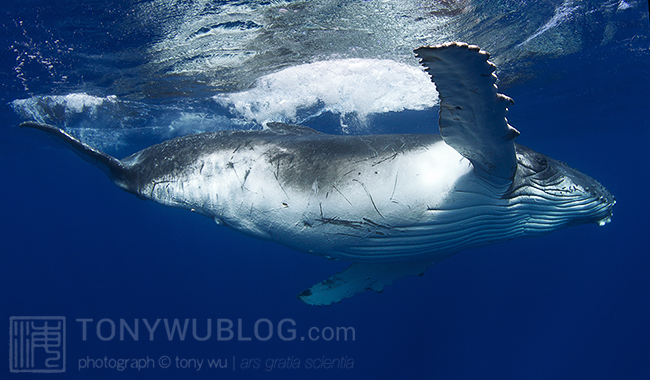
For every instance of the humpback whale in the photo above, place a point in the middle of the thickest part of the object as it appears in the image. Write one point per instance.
(392, 205)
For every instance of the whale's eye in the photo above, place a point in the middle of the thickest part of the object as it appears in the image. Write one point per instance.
(533, 161)
(542, 163)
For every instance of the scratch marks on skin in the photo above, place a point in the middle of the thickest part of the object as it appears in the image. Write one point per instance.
(245, 144)
(387, 158)
(364, 225)
(348, 172)
(369, 196)
(394, 187)
(369, 145)
(277, 158)
(282, 187)
(350, 223)
(344, 197)
(156, 183)
(372, 223)
(231, 165)
(248, 171)
(277, 179)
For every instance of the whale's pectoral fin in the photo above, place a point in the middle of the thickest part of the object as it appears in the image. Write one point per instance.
(360, 277)
(472, 113)
(111, 166)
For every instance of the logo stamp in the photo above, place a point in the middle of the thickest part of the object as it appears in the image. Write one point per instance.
(37, 344)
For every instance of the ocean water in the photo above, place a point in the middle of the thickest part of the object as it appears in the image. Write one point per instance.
(122, 75)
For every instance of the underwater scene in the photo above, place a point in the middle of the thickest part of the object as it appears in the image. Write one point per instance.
(102, 283)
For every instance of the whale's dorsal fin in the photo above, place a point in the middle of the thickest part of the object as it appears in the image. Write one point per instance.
(472, 113)
(290, 129)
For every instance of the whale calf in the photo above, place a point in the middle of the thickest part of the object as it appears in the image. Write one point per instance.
(392, 205)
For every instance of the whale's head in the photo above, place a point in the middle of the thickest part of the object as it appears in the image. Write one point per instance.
(557, 195)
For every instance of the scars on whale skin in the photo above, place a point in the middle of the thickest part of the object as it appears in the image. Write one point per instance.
(392, 205)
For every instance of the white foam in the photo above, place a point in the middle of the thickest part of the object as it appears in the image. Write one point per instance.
(360, 86)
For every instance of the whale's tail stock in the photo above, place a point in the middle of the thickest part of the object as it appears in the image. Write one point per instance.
(111, 166)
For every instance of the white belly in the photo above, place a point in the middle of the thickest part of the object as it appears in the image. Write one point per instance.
(384, 209)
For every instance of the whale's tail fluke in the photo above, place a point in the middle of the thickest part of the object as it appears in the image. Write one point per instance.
(113, 167)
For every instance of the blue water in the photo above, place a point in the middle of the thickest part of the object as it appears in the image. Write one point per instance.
(123, 75)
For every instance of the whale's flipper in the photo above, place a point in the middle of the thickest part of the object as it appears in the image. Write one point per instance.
(472, 113)
(111, 166)
(360, 277)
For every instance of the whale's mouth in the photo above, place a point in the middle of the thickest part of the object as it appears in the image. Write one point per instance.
(608, 218)
(565, 202)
